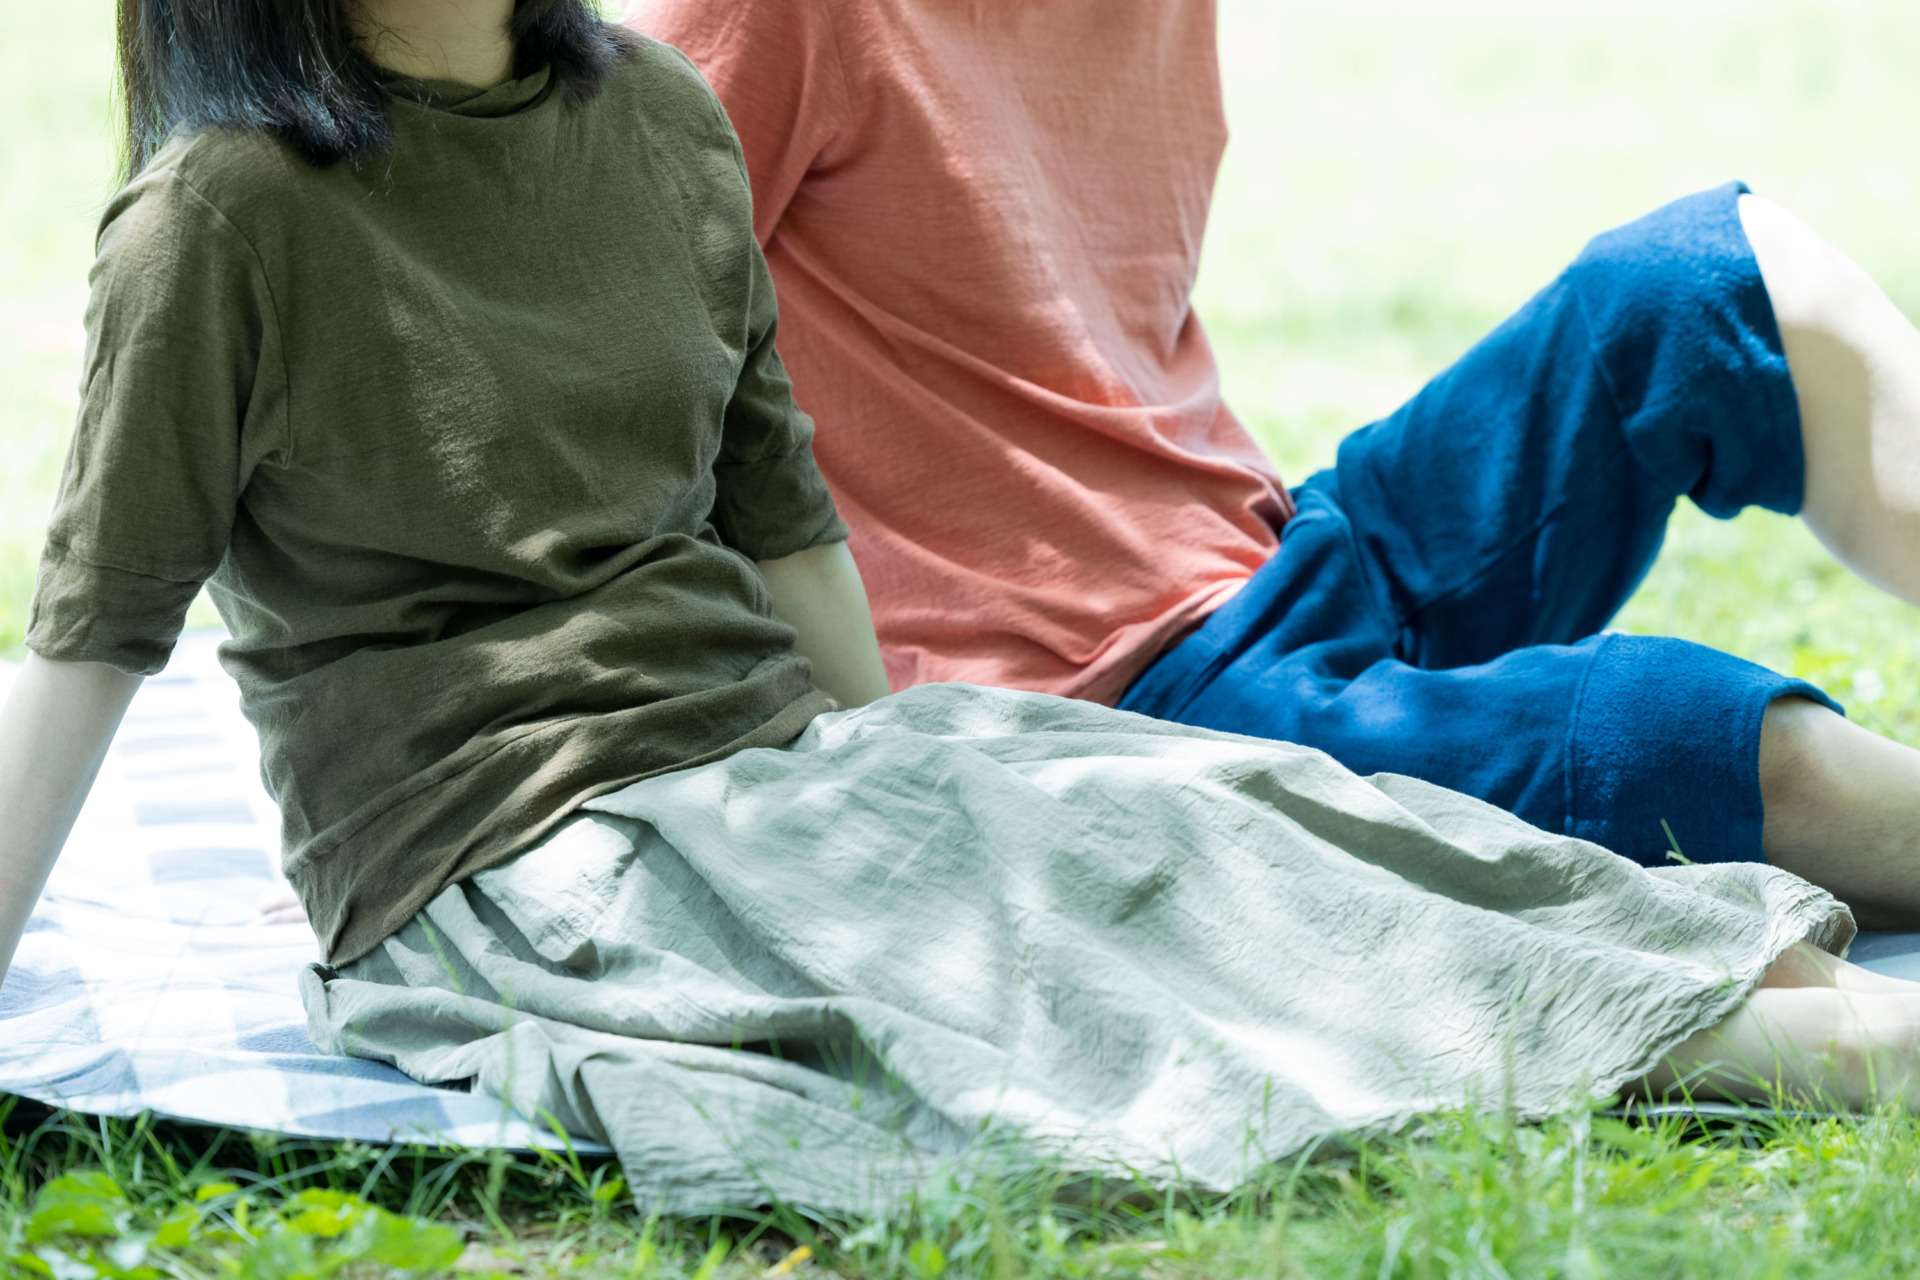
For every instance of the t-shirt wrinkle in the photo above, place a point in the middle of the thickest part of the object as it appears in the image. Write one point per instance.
(341, 835)
(836, 45)
(63, 550)
(286, 446)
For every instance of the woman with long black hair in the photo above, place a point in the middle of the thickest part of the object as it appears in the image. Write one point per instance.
(432, 336)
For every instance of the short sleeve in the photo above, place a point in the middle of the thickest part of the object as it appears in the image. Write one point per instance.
(777, 67)
(177, 326)
(770, 499)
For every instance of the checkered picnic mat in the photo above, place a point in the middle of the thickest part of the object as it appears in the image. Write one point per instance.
(147, 980)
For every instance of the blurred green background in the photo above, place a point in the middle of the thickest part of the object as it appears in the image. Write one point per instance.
(1403, 173)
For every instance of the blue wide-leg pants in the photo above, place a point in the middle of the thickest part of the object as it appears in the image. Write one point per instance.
(1435, 607)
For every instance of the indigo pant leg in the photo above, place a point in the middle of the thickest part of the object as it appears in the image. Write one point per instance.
(1435, 608)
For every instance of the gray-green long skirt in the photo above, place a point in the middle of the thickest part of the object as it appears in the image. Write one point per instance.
(974, 929)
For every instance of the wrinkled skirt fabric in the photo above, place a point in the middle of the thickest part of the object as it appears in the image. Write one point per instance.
(978, 930)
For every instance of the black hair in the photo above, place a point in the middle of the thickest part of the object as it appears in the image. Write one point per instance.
(293, 68)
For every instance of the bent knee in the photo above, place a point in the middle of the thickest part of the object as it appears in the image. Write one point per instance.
(1813, 286)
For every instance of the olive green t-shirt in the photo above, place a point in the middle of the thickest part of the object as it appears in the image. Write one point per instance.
(474, 444)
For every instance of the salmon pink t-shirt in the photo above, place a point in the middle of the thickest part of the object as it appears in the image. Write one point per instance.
(984, 219)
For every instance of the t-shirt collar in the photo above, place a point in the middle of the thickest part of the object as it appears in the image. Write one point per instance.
(469, 100)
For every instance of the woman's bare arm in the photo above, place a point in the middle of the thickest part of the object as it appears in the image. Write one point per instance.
(818, 593)
(54, 732)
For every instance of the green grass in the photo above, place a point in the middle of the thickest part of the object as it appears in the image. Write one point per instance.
(1586, 1195)
(1403, 174)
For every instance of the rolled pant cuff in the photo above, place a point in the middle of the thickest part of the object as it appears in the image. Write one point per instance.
(1668, 731)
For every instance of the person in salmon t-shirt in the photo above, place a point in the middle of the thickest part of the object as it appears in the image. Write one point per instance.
(984, 221)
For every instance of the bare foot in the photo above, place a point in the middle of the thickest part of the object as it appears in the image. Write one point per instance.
(1817, 1032)
(1805, 965)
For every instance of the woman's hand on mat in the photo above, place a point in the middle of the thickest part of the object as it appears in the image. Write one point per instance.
(819, 594)
(59, 719)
